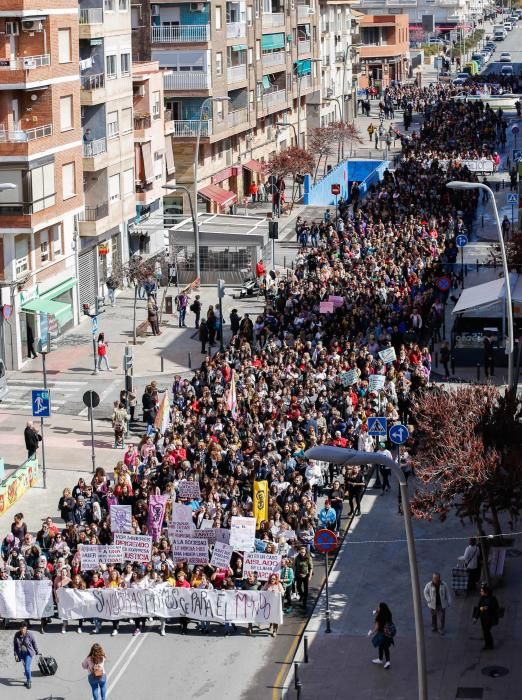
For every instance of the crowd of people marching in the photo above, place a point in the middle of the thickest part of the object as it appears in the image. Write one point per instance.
(345, 336)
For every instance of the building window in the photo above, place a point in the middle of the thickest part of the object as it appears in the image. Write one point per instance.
(158, 165)
(109, 5)
(250, 57)
(42, 187)
(219, 63)
(57, 240)
(128, 181)
(66, 109)
(114, 187)
(218, 17)
(125, 64)
(249, 15)
(44, 246)
(156, 106)
(110, 62)
(124, 5)
(126, 120)
(68, 180)
(219, 110)
(64, 46)
(258, 50)
(21, 255)
(113, 128)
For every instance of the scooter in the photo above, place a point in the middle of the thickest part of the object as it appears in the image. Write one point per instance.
(249, 288)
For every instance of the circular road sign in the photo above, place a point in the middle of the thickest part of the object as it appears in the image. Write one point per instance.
(443, 283)
(399, 434)
(325, 541)
(514, 129)
(461, 240)
(336, 188)
(91, 398)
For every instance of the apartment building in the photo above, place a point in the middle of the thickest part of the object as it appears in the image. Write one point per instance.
(259, 57)
(336, 96)
(384, 53)
(106, 95)
(41, 190)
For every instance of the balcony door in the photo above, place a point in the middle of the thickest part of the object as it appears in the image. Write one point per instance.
(15, 113)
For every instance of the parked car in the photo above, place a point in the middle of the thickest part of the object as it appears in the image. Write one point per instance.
(505, 57)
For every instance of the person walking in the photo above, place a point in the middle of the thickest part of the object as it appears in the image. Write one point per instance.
(211, 326)
(195, 307)
(438, 597)
(181, 306)
(303, 570)
(25, 649)
(152, 316)
(32, 439)
(489, 357)
(274, 585)
(94, 663)
(203, 335)
(30, 342)
(445, 356)
(112, 286)
(471, 558)
(102, 352)
(235, 321)
(487, 612)
(382, 634)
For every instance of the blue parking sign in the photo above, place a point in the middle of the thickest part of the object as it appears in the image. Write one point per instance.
(41, 403)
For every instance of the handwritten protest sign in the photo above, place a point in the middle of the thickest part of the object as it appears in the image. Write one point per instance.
(206, 524)
(222, 534)
(135, 547)
(189, 489)
(349, 378)
(121, 518)
(376, 382)
(209, 535)
(262, 564)
(326, 307)
(242, 533)
(182, 523)
(92, 555)
(191, 550)
(221, 555)
(89, 557)
(30, 600)
(336, 301)
(388, 355)
(261, 607)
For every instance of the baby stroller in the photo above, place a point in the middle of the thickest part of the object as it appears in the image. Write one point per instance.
(119, 435)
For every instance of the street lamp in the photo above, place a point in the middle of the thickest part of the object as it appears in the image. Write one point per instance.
(290, 125)
(341, 455)
(205, 102)
(510, 342)
(194, 222)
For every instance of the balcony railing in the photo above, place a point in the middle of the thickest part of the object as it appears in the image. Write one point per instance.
(236, 30)
(22, 136)
(100, 211)
(142, 121)
(304, 10)
(189, 127)
(181, 34)
(274, 59)
(339, 57)
(274, 19)
(237, 117)
(274, 98)
(93, 15)
(95, 148)
(304, 46)
(373, 3)
(306, 82)
(26, 62)
(93, 82)
(186, 81)
(236, 73)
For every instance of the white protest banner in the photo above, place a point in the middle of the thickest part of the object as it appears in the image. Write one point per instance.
(242, 533)
(221, 555)
(89, 557)
(262, 607)
(121, 518)
(206, 524)
(388, 355)
(135, 547)
(262, 564)
(189, 489)
(29, 600)
(349, 378)
(376, 382)
(191, 550)
(182, 523)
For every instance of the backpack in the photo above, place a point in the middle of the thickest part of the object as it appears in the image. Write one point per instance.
(97, 670)
(390, 630)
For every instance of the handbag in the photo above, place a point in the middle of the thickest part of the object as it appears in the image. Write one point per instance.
(377, 639)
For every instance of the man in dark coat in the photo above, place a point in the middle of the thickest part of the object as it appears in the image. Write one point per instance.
(32, 440)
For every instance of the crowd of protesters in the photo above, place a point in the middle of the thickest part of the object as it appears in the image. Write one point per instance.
(249, 413)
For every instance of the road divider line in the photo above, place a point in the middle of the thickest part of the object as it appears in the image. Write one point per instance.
(103, 396)
(120, 658)
(133, 653)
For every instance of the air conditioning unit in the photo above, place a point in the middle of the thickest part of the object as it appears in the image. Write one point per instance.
(29, 63)
(32, 25)
(197, 6)
(139, 91)
(12, 28)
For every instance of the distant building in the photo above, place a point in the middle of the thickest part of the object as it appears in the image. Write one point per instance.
(384, 52)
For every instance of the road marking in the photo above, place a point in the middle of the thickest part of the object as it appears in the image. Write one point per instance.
(283, 671)
(103, 396)
(120, 657)
(51, 382)
(126, 664)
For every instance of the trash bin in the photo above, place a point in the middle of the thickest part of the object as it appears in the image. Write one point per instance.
(168, 305)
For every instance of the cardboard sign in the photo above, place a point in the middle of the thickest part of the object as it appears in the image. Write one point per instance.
(388, 355)
(262, 564)
(92, 555)
(136, 548)
(182, 523)
(121, 518)
(349, 378)
(191, 550)
(336, 301)
(376, 382)
(326, 307)
(242, 533)
(221, 555)
(189, 489)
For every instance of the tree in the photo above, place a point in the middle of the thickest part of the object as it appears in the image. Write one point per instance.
(467, 453)
(513, 253)
(292, 162)
(346, 133)
(320, 142)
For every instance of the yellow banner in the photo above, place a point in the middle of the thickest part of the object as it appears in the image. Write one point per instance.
(260, 501)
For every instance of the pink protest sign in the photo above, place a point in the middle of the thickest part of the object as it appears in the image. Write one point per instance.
(326, 307)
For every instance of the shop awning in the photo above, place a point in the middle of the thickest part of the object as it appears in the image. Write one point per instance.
(61, 312)
(482, 295)
(304, 66)
(59, 289)
(273, 41)
(254, 165)
(239, 47)
(218, 195)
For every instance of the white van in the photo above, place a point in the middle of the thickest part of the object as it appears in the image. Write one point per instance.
(3, 380)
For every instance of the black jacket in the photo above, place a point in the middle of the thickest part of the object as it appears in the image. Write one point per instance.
(32, 439)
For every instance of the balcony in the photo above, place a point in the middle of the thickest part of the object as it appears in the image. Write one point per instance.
(100, 211)
(274, 19)
(235, 30)
(339, 57)
(142, 122)
(304, 46)
(186, 81)
(304, 10)
(188, 128)
(237, 117)
(95, 148)
(93, 15)
(181, 34)
(236, 73)
(271, 99)
(373, 3)
(25, 135)
(26, 62)
(306, 83)
(276, 58)
(92, 89)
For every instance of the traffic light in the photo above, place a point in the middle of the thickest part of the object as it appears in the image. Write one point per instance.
(86, 310)
(273, 230)
(127, 360)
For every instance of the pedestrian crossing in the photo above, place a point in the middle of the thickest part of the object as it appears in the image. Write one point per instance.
(64, 394)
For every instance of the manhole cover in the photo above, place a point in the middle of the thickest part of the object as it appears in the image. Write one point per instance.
(470, 693)
(495, 671)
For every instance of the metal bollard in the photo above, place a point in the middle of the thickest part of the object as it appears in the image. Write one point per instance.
(478, 371)
(296, 675)
(190, 360)
(477, 265)
(482, 220)
(436, 359)
(162, 362)
(305, 648)
(453, 364)
(465, 270)
(298, 688)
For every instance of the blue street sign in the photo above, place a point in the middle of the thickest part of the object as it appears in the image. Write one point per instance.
(399, 434)
(377, 426)
(94, 321)
(41, 403)
(512, 198)
(461, 240)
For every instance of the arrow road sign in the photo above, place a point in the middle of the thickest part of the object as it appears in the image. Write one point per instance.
(325, 541)
(41, 403)
(377, 426)
(512, 198)
(94, 322)
(461, 240)
(399, 434)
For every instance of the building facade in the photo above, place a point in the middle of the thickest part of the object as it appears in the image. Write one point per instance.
(40, 171)
(384, 52)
